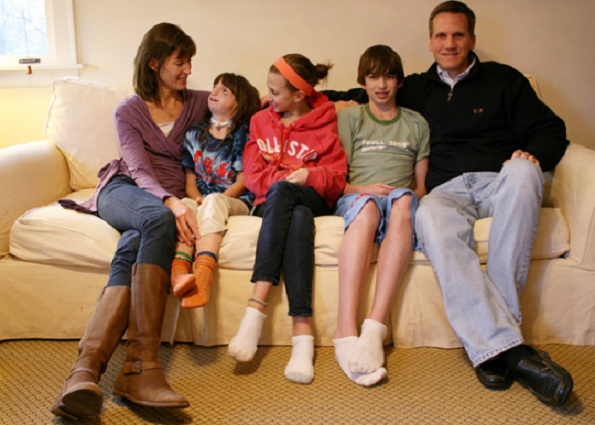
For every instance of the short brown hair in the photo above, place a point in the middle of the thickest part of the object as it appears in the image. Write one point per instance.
(158, 43)
(454, 7)
(304, 67)
(246, 94)
(379, 60)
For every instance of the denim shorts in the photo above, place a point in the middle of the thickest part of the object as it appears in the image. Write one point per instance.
(351, 204)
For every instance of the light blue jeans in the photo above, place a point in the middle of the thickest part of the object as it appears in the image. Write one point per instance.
(483, 307)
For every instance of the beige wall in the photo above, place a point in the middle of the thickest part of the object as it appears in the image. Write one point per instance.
(547, 38)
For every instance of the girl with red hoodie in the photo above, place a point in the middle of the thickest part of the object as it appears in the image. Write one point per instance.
(296, 168)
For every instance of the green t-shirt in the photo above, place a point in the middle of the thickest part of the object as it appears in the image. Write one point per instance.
(383, 151)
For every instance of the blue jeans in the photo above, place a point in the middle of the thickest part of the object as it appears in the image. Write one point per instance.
(147, 227)
(286, 242)
(483, 307)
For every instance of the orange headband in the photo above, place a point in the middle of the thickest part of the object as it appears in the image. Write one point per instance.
(293, 77)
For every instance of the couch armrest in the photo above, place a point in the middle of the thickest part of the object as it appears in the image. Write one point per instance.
(572, 192)
(31, 175)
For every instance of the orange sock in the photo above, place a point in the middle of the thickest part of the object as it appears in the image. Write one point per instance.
(204, 266)
(182, 279)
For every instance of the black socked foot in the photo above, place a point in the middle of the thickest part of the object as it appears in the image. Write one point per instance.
(550, 382)
(494, 374)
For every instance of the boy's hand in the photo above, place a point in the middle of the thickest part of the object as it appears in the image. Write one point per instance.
(380, 189)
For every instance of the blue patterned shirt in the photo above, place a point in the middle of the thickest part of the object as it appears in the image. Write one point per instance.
(215, 162)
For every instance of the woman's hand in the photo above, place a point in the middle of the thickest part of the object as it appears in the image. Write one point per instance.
(298, 176)
(187, 229)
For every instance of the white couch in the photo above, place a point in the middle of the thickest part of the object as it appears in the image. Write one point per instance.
(54, 262)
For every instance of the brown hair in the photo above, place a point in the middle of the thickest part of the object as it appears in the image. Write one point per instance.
(454, 7)
(311, 73)
(380, 60)
(158, 43)
(247, 97)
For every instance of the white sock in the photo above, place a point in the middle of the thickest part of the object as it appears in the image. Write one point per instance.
(368, 354)
(343, 349)
(243, 346)
(300, 368)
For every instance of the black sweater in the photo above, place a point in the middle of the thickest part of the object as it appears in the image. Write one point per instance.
(478, 125)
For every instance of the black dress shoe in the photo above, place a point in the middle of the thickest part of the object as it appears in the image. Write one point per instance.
(494, 374)
(550, 382)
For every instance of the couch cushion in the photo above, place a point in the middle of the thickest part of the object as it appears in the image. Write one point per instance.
(58, 236)
(55, 235)
(80, 122)
(239, 245)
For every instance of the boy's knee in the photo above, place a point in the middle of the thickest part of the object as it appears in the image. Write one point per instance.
(369, 212)
(401, 205)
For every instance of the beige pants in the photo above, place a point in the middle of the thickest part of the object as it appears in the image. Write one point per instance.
(214, 212)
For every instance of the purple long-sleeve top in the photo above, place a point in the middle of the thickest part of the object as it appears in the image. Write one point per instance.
(151, 159)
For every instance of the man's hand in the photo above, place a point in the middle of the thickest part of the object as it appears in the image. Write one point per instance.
(342, 104)
(523, 155)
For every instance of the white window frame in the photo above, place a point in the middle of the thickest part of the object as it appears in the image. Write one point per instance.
(62, 57)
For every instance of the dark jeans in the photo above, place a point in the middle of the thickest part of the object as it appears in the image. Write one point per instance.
(147, 226)
(286, 242)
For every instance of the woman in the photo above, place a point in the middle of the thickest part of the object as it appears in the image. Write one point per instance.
(139, 194)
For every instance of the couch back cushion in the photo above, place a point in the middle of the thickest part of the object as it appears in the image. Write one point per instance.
(80, 123)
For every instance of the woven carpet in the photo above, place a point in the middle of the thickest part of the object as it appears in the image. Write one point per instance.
(424, 386)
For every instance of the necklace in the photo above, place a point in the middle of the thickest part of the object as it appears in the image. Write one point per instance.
(220, 124)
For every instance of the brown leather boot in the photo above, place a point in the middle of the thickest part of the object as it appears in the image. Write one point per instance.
(141, 379)
(204, 267)
(81, 395)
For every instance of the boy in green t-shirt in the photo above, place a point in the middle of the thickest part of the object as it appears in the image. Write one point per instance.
(387, 149)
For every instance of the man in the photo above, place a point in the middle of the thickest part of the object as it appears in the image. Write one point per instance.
(490, 139)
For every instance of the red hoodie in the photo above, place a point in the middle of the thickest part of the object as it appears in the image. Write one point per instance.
(311, 141)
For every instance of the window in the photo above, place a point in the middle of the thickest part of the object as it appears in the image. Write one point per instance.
(36, 37)
(23, 31)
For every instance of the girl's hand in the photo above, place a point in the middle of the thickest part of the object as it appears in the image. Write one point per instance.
(187, 229)
(298, 176)
(199, 200)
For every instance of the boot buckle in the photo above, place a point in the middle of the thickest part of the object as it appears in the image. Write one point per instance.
(132, 366)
